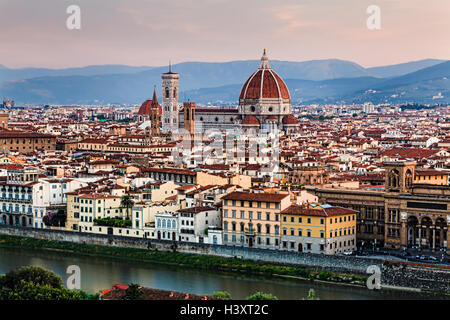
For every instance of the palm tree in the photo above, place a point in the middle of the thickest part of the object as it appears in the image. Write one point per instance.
(127, 202)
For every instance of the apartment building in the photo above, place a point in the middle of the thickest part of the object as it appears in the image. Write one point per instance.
(253, 219)
(323, 229)
(195, 221)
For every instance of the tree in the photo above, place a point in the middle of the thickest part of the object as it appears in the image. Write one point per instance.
(134, 292)
(222, 294)
(57, 219)
(36, 283)
(311, 295)
(128, 203)
(261, 296)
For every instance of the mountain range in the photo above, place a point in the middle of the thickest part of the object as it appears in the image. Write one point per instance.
(316, 81)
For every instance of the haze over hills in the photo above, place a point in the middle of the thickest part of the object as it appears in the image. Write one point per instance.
(317, 81)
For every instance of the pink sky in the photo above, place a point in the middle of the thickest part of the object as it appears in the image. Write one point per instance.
(150, 32)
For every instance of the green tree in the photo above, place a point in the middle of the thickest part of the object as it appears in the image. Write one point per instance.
(222, 294)
(36, 283)
(128, 203)
(134, 292)
(261, 296)
(311, 295)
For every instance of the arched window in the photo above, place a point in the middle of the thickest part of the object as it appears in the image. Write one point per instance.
(394, 178)
(225, 226)
(174, 224)
(169, 224)
(167, 92)
(408, 178)
(164, 223)
(158, 223)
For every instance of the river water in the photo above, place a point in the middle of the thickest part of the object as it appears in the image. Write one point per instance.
(98, 273)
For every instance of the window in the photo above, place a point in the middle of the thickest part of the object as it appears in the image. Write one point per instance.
(309, 233)
(322, 221)
(309, 220)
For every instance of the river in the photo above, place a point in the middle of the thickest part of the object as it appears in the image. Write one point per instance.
(99, 273)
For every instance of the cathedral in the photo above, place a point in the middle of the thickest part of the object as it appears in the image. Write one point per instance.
(264, 103)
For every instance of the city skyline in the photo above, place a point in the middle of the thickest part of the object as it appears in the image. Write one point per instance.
(218, 31)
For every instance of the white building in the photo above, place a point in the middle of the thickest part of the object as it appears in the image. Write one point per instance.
(195, 222)
(50, 195)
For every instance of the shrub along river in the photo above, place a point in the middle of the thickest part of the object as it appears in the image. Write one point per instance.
(98, 273)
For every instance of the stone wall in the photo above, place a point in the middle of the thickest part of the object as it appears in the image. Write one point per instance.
(405, 277)
(316, 261)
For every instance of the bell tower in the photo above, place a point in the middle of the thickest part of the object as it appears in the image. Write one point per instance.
(155, 115)
(189, 117)
(399, 176)
(170, 100)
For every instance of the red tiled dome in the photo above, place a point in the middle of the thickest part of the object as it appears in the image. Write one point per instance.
(264, 83)
(290, 119)
(146, 107)
(250, 120)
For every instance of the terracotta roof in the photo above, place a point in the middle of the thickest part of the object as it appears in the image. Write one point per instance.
(250, 120)
(264, 83)
(250, 196)
(317, 211)
(196, 209)
(290, 119)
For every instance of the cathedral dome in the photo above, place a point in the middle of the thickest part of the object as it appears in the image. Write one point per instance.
(290, 120)
(146, 107)
(264, 83)
(250, 121)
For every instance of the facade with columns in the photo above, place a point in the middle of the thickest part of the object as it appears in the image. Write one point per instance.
(405, 214)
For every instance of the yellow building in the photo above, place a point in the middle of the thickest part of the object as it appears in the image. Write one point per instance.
(433, 177)
(83, 209)
(253, 219)
(318, 229)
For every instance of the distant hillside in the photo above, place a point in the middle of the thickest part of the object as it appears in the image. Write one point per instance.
(7, 74)
(402, 68)
(416, 87)
(318, 81)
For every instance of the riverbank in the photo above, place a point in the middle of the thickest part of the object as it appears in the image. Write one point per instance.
(186, 260)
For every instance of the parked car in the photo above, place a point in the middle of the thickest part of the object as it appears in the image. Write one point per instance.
(348, 253)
